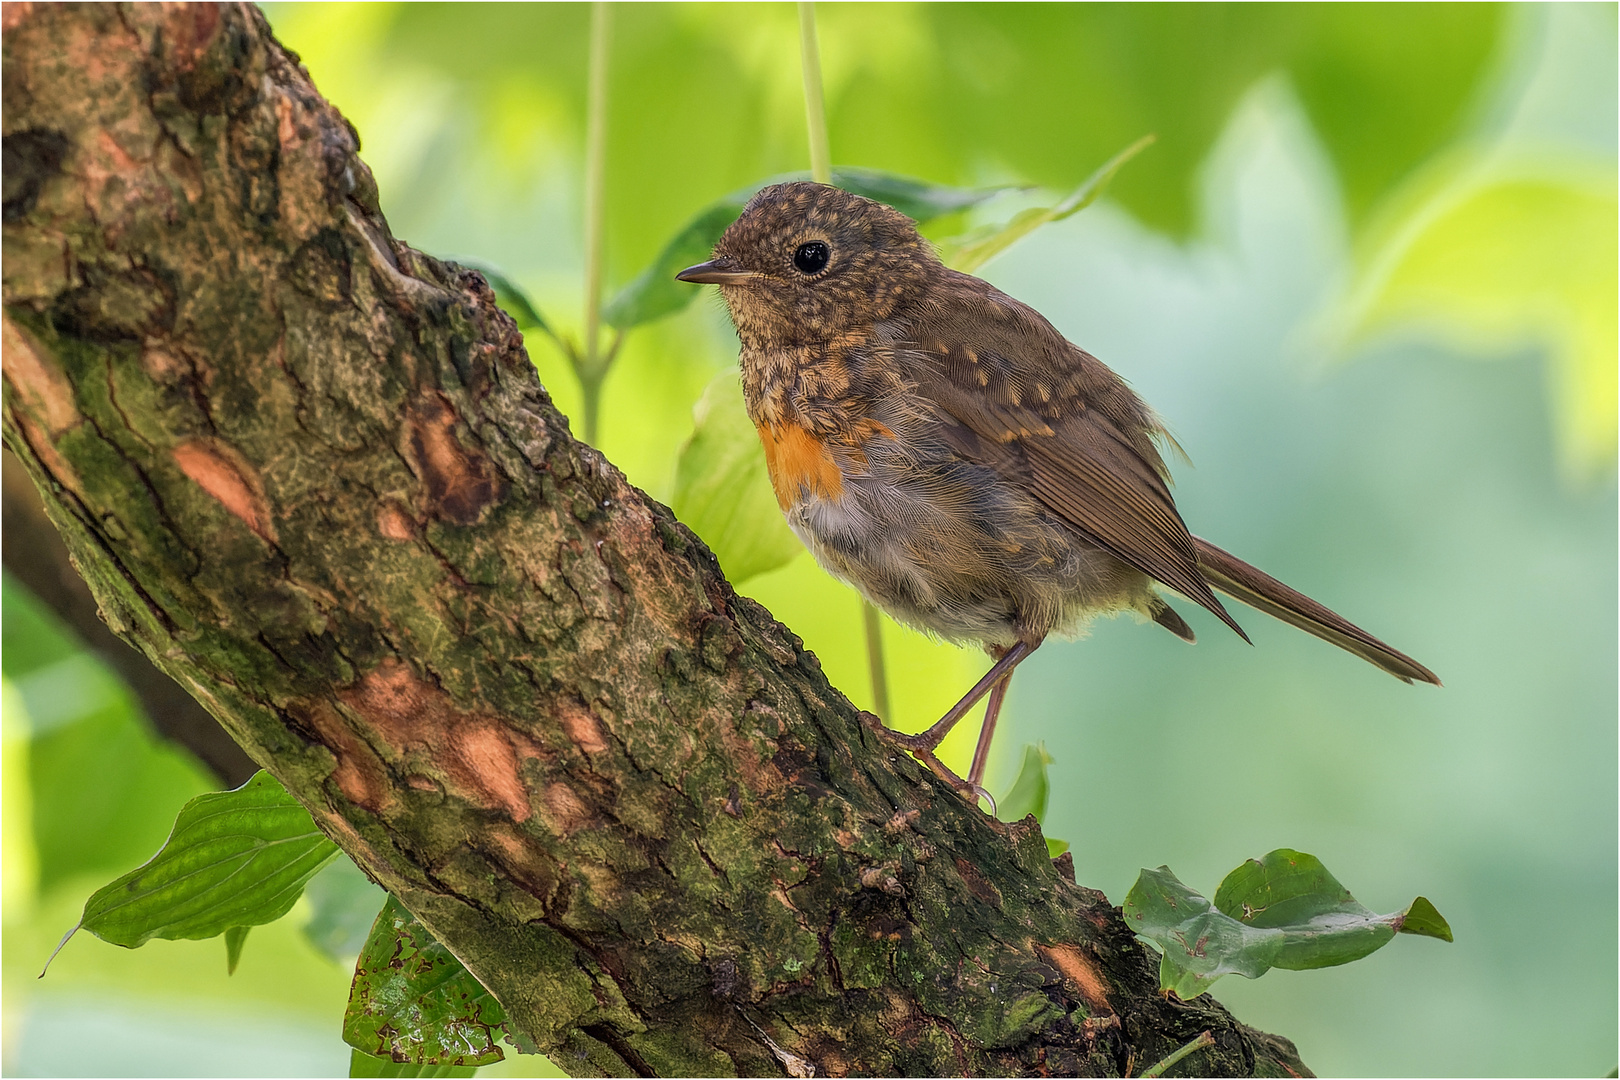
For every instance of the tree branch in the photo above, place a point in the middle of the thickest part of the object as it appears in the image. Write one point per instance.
(310, 474)
(36, 556)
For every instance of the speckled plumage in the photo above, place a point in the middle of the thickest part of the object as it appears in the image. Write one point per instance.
(941, 447)
(924, 387)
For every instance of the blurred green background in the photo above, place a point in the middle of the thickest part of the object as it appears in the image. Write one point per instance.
(1368, 276)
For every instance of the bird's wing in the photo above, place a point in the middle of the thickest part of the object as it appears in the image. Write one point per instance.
(1050, 415)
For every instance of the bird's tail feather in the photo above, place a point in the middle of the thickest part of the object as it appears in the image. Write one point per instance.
(1237, 579)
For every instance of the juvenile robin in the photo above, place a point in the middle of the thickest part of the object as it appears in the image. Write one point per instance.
(942, 448)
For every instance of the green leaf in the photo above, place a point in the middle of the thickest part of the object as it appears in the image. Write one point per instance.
(969, 252)
(1029, 791)
(512, 299)
(1284, 910)
(919, 200)
(1028, 794)
(235, 938)
(1422, 919)
(363, 1064)
(344, 905)
(235, 859)
(413, 1002)
(655, 293)
(1198, 943)
(1291, 891)
(722, 490)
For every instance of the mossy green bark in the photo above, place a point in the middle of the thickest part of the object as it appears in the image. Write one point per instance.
(310, 473)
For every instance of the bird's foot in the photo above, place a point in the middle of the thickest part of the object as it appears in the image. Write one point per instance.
(922, 748)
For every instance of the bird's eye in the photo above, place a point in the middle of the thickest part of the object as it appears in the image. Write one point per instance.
(811, 258)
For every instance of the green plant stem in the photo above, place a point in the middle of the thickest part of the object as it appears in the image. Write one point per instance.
(874, 659)
(591, 378)
(815, 107)
(1204, 1039)
(815, 117)
(592, 369)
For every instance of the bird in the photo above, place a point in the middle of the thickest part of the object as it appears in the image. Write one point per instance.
(940, 446)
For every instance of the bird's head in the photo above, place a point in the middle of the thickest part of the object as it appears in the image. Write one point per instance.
(806, 262)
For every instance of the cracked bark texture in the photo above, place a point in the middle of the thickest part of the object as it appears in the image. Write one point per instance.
(35, 555)
(311, 475)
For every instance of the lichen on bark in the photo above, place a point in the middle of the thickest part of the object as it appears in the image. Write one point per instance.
(311, 474)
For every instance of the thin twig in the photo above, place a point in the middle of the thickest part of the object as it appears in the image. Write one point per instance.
(1204, 1039)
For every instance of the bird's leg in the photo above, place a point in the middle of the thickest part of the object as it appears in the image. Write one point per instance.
(981, 752)
(923, 744)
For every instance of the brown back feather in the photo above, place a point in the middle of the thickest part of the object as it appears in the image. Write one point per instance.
(1008, 376)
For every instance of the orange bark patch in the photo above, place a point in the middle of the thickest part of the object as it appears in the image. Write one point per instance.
(159, 365)
(486, 751)
(800, 464)
(114, 153)
(394, 523)
(521, 860)
(222, 473)
(582, 727)
(1082, 973)
(40, 443)
(45, 391)
(564, 809)
(460, 482)
(15, 11)
(477, 755)
(982, 888)
(286, 133)
(360, 776)
(188, 28)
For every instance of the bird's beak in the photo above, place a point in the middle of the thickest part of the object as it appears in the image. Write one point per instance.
(716, 272)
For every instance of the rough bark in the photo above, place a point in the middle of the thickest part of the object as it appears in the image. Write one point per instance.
(310, 474)
(35, 555)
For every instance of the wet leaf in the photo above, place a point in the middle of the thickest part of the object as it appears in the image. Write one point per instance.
(655, 293)
(234, 859)
(344, 905)
(722, 490)
(969, 252)
(362, 1064)
(413, 1002)
(1284, 910)
(1198, 944)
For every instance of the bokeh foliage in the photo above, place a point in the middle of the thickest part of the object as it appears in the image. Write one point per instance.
(1468, 233)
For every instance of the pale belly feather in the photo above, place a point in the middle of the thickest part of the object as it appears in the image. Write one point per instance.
(945, 547)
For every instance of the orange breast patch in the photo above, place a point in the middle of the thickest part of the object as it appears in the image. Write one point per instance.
(798, 461)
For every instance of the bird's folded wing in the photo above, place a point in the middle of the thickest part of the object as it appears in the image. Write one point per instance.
(1050, 415)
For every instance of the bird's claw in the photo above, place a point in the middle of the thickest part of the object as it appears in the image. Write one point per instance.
(922, 748)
